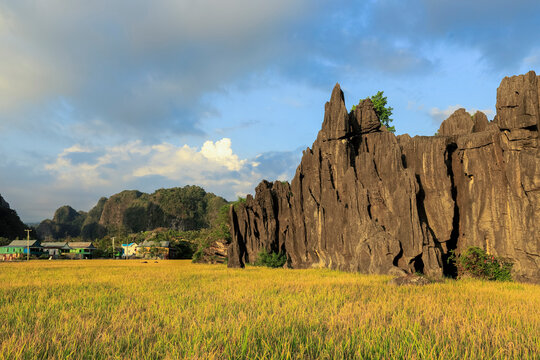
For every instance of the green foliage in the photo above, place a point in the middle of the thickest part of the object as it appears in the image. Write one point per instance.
(198, 255)
(214, 207)
(221, 228)
(93, 231)
(239, 202)
(188, 205)
(383, 111)
(477, 263)
(220, 231)
(104, 245)
(271, 259)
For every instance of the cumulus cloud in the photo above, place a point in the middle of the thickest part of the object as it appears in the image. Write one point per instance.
(439, 115)
(221, 153)
(125, 163)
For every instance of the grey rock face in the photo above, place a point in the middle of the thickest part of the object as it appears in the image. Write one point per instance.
(365, 200)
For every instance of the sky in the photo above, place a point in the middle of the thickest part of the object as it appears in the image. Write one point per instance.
(97, 97)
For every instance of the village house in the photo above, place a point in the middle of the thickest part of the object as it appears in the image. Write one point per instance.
(18, 249)
(81, 250)
(152, 248)
(55, 249)
(129, 250)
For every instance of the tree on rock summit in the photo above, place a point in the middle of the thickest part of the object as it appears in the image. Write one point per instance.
(382, 110)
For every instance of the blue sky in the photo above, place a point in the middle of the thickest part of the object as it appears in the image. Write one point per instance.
(98, 96)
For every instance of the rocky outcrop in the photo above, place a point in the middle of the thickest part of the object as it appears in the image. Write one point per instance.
(91, 228)
(11, 225)
(365, 200)
(459, 123)
(215, 253)
(66, 223)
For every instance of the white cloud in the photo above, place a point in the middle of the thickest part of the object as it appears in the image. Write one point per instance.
(221, 153)
(214, 165)
(439, 115)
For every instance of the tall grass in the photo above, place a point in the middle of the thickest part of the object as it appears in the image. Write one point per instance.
(176, 309)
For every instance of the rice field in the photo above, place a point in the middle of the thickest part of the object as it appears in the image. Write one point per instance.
(115, 309)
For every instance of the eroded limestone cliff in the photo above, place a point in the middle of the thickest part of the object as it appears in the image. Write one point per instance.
(365, 200)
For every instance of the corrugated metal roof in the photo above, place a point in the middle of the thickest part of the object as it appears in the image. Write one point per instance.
(55, 245)
(149, 243)
(23, 243)
(132, 244)
(81, 245)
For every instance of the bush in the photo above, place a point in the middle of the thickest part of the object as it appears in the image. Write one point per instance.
(182, 249)
(382, 110)
(197, 255)
(271, 259)
(477, 263)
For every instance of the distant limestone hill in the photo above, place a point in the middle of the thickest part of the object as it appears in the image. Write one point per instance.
(67, 222)
(132, 211)
(11, 225)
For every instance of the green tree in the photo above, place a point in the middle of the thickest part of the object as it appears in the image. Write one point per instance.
(383, 111)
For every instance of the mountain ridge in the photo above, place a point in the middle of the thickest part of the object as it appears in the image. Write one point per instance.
(132, 211)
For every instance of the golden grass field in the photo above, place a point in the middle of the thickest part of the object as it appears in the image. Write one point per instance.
(175, 309)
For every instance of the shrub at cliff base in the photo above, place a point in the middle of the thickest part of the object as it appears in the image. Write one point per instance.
(476, 262)
(271, 259)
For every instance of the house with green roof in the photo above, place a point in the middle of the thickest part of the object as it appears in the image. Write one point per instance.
(80, 250)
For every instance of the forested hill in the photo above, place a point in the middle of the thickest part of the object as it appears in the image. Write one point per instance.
(11, 225)
(132, 211)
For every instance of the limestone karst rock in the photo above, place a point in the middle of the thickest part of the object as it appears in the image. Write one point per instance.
(365, 200)
(66, 222)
